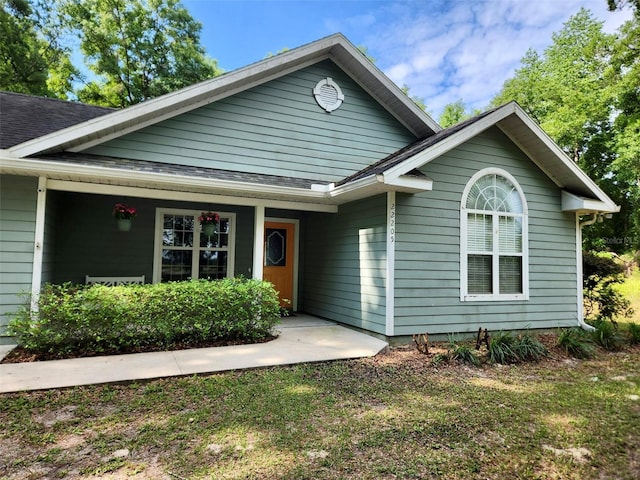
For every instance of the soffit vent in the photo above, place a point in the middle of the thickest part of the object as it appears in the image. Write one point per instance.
(328, 94)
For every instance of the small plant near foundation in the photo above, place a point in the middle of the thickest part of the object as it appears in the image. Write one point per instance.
(607, 335)
(530, 349)
(505, 348)
(501, 349)
(440, 358)
(633, 333)
(462, 354)
(576, 342)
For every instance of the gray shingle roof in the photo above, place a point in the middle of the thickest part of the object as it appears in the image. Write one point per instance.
(178, 170)
(410, 150)
(24, 117)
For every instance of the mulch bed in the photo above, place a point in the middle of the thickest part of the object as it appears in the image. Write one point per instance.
(20, 354)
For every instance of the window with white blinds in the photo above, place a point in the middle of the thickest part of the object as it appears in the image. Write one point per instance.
(493, 254)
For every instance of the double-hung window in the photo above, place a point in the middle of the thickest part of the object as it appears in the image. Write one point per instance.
(493, 253)
(185, 251)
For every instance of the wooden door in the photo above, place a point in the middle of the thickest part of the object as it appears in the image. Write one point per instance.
(278, 259)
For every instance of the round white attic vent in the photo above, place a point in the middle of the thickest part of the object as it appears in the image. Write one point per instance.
(328, 94)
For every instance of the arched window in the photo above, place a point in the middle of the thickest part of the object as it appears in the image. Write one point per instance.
(493, 244)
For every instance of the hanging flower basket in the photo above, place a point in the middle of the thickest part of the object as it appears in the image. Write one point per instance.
(124, 216)
(124, 224)
(209, 222)
(209, 229)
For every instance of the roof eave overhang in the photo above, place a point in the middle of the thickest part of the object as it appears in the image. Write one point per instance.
(321, 195)
(335, 47)
(379, 183)
(568, 176)
(585, 206)
(152, 180)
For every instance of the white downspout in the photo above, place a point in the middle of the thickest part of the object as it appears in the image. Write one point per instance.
(579, 226)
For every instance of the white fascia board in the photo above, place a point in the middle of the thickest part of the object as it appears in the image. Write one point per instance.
(352, 187)
(483, 124)
(377, 183)
(175, 103)
(582, 205)
(562, 156)
(386, 82)
(409, 183)
(183, 196)
(449, 143)
(31, 166)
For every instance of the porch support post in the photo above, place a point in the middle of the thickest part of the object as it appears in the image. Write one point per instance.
(391, 260)
(258, 243)
(38, 246)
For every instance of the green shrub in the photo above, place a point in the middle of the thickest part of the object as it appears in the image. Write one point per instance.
(502, 349)
(576, 342)
(607, 335)
(97, 318)
(601, 275)
(529, 348)
(505, 348)
(462, 354)
(633, 332)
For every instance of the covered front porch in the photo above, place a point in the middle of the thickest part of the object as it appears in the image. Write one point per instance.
(77, 236)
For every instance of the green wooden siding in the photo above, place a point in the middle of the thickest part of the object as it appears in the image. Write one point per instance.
(18, 199)
(89, 243)
(345, 261)
(427, 266)
(274, 127)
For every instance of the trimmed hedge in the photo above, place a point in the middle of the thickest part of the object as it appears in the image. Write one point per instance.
(79, 318)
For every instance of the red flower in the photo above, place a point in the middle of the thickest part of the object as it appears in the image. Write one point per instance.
(208, 218)
(124, 212)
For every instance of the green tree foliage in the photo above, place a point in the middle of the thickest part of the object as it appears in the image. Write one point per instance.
(30, 62)
(557, 88)
(583, 92)
(454, 113)
(139, 49)
(620, 4)
(624, 75)
(601, 300)
(419, 101)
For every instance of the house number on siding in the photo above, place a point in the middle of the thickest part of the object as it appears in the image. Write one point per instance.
(392, 223)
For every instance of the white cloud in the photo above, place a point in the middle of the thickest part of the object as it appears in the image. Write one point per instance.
(465, 49)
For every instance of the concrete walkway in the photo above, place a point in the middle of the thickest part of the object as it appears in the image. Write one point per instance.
(302, 339)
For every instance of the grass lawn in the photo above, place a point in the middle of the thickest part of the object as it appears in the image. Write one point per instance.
(392, 416)
(631, 290)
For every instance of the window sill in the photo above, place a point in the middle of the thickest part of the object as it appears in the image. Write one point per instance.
(494, 298)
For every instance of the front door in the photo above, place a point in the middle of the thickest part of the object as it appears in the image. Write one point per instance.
(279, 258)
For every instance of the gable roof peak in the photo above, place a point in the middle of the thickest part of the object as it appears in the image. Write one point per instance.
(334, 47)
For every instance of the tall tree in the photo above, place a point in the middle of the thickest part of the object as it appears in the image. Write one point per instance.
(570, 91)
(454, 113)
(32, 60)
(559, 88)
(23, 67)
(138, 49)
(624, 75)
(620, 4)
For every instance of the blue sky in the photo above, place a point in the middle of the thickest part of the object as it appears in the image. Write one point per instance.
(444, 50)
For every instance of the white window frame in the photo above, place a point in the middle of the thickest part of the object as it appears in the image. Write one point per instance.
(465, 296)
(158, 247)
